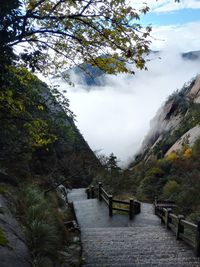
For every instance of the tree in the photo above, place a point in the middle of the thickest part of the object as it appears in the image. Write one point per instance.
(67, 33)
(112, 163)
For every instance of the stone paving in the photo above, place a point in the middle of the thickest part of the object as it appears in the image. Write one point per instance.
(119, 242)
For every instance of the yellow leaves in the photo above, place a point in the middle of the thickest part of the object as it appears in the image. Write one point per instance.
(48, 6)
(140, 64)
(20, 106)
(40, 107)
(31, 4)
(172, 156)
(188, 153)
(9, 97)
(45, 6)
(155, 171)
(185, 154)
(38, 133)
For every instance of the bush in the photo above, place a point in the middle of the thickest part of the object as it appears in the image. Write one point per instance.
(196, 148)
(41, 227)
(188, 153)
(172, 156)
(170, 189)
(3, 241)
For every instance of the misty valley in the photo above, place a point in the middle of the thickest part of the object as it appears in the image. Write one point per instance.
(99, 133)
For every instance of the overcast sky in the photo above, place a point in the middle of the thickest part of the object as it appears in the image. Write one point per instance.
(116, 117)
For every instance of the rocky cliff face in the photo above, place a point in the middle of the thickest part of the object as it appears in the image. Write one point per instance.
(72, 153)
(175, 124)
(14, 250)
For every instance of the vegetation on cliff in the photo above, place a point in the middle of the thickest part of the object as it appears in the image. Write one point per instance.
(38, 135)
(175, 175)
(40, 147)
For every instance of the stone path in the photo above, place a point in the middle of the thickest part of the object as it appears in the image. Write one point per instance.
(119, 242)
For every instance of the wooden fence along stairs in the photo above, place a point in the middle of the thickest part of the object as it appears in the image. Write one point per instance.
(184, 230)
(137, 240)
(133, 205)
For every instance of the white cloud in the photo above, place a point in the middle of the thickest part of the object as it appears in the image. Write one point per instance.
(169, 5)
(116, 118)
(178, 37)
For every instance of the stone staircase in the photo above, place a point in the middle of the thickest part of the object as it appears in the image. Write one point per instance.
(118, 242)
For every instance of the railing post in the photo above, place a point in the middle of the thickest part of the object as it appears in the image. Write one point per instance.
(99, 191)
(155, 204)
(168, 210)
(88, 193)
(197, 246)
(137, 207)
(155, 200)
(180, 228)
(161, 213)
(110, 205)
(131, 209)
(92, 191)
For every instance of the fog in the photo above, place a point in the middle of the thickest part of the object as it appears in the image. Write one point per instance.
(116, 117)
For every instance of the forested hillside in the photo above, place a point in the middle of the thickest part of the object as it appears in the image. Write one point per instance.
(40, 148)
(38, 135)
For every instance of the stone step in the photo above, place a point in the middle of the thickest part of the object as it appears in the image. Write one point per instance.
(133, 246)
(174, 264)
(119, 242)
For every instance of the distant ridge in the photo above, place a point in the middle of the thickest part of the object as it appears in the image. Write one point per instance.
(89, 76)
(192, 55)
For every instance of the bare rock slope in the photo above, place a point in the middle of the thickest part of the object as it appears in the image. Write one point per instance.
(14, 252)
(175, 123)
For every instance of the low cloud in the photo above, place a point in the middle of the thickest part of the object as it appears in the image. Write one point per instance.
(115, 117)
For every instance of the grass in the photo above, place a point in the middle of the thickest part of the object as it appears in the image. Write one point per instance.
(43, 218)
(41, 226)
(3, 241)
(3, 190)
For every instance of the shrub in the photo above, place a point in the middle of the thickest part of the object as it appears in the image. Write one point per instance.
(196, 148)
(188, 153)
(170, 189)
(41, 226)
(172, 156)
(3, 241)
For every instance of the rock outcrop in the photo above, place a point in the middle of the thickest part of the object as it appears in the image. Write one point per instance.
(14, 253)
(190, 137)
(175, 124)
(194, 93)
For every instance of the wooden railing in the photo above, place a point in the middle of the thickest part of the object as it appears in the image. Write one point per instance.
(184, 230)
(132, 207)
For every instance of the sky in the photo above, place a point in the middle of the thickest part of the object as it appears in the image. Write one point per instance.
(116, 117)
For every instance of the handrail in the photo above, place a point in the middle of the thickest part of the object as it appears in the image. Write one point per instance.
(189, 224)
(183, 229)
(121, 201)
(126, 210)
(133, 205)
(105, 200)
(104, 192)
